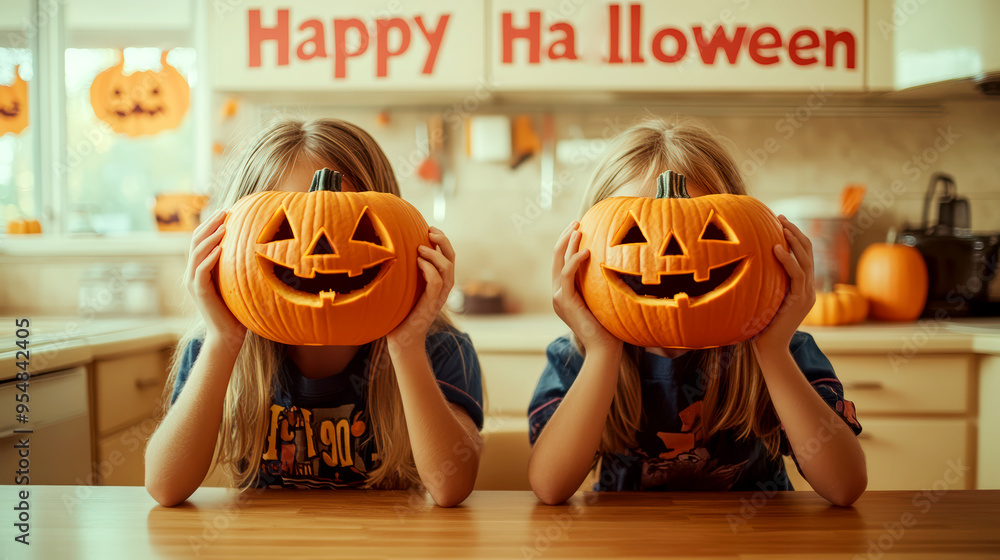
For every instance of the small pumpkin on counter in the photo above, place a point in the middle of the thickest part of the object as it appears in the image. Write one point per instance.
(893, 277)
(843, 305)
(681, 272)
(322, 267)
(23, 227)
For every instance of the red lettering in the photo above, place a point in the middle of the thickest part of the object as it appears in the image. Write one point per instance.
(757, 45)
(533, 33)
(258, 34)
(434, 38)
(635, 33)
(613, 40)
(678, 37)
(318, 40)
(709, 48)
(383, 53)
(844, 37)
(568, 42)
(340, 27)
(795, 46)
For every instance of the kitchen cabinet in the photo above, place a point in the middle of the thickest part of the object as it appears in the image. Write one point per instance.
(928, 415)
(127, 392)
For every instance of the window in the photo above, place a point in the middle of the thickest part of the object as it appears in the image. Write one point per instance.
(19, 197)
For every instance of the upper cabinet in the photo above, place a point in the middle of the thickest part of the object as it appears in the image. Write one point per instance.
(597, 46)
(919, 42)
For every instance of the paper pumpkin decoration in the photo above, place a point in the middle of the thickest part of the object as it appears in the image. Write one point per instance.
(894, 279)
(322, 267)
(844, 305)
(14, 105)
(681, 272)
(140, 103)
(178, 211)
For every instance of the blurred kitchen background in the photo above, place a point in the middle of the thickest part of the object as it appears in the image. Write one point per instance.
(498, 156)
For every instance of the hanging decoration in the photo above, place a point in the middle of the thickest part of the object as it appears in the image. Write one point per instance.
(140, 103)
(14, 105)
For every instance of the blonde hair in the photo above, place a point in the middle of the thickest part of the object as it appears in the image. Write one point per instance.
(735, 396)
(261, 163)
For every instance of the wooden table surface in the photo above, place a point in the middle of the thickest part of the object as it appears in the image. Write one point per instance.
(124, 522)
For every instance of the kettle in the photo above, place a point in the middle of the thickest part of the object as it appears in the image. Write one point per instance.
(960, 264)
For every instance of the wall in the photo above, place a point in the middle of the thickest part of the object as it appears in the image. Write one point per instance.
(501, 234)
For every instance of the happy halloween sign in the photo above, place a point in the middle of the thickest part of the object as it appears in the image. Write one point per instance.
(539, 44)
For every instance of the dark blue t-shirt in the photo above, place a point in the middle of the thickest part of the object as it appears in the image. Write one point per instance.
(318, 432)
(672, 452)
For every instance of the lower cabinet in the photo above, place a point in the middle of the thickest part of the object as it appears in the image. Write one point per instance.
(919, 414)
(127, 396)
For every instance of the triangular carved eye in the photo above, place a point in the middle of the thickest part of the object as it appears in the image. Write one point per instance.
(278, 229)
(716, 229)
(629, 234)
(366, 231)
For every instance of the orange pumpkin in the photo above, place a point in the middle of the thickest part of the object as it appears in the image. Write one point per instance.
(322, 267)
(894, 279)
(675, 271)
(14, 105)
(140, 103)
(178, 211)
(23, 227)
(843, 306)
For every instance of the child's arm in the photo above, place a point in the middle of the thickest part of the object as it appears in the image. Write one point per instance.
(444, 439)
(179, 454)
(564, 451)
(825, 447)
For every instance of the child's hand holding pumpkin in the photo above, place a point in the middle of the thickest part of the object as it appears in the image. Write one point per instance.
(566, 298)
(202, 259)
(438, 267)
(801, 295)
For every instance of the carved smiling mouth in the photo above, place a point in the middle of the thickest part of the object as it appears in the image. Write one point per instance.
(336, 287)
(15, 110)
(138, 110)
(672, 285)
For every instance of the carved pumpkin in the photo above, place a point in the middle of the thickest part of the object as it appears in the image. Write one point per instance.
(322, 267)
(843, 306)
(178, 211)
(681, 272)
(14, 105)
(894, 279)
(140, 103)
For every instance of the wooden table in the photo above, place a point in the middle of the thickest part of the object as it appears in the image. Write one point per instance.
(112, 522)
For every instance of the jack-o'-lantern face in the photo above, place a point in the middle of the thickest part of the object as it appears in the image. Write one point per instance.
(140, 103)
(322, 267)
(682, 272)
(312, 271)
(14, 105)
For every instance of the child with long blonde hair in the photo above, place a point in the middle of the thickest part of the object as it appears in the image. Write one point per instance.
(675, 419)
(401, 412)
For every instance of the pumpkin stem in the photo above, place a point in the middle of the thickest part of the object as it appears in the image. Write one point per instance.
(671, 185)
(326, 179)
(890, 237)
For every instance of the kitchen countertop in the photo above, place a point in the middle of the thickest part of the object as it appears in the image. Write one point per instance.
(58, 342)
(61, 342)
(533, 332)
(91, 522)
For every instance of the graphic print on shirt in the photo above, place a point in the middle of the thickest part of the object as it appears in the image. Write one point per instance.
(315, 448)
(686, 464)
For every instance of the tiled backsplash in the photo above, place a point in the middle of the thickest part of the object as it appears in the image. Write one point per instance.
(501, 233)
